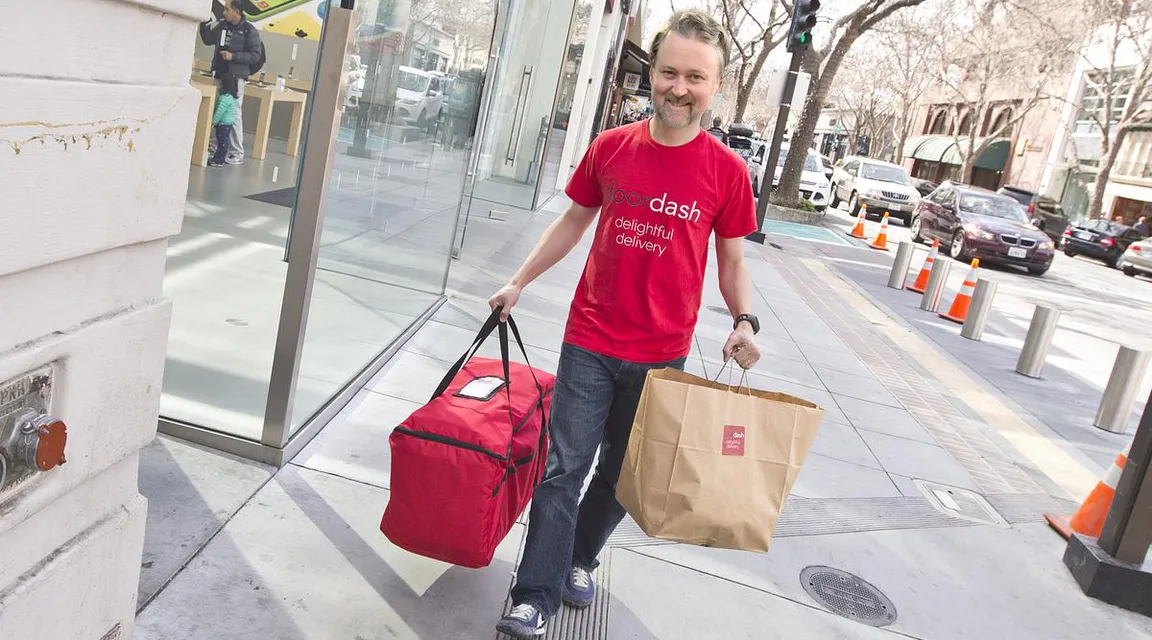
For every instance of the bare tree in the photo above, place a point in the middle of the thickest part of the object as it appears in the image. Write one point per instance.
(1119, 58)
(999, 66)
(823, 64)
(866, 98)
(752, 39)
(904, 44)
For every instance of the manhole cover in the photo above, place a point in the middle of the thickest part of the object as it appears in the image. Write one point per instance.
(721, 310)
(960, 503)
(847, 595)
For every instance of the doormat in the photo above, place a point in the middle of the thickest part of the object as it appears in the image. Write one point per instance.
(279, 197)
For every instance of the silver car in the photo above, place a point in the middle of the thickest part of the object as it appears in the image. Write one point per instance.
(1137, 259)
(882, 186)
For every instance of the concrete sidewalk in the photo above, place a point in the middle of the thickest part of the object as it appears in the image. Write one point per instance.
(908, 487)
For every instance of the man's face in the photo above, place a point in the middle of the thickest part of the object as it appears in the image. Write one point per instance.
(685, 78)
(232, 13)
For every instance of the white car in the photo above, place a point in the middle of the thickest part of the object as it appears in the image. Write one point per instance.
(882, 186)
(1137, 258)
(419, 96)
(814, 186)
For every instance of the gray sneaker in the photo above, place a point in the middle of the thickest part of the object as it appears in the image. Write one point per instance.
(234, 159)
(523, 623)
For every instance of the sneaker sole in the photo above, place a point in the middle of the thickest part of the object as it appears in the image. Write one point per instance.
(513, 630)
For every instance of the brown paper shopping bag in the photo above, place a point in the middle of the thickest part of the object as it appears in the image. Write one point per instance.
(711, 464)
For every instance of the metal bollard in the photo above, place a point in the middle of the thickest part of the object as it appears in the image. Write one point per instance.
(978, 313)
(1120, 394)
(936, 281)
(899, 274)
(1040, 332)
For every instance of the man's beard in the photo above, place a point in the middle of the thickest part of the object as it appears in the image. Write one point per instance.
(677, 118)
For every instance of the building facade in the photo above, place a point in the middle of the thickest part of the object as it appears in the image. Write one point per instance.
(83, 336)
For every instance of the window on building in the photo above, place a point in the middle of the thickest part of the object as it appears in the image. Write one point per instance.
(1000, 124)
(1094, 99)
(966, 124)
(939, 124)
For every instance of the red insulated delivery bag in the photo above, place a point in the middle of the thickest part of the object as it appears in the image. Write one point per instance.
(465, 464)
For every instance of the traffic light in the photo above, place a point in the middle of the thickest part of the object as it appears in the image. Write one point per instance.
(803, 19)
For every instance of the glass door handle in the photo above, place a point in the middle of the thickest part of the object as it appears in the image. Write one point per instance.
(521, 107)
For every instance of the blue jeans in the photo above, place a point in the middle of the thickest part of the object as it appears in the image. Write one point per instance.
(593, 405)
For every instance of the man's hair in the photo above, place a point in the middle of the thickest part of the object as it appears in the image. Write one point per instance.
(716, 121)
(697, 25)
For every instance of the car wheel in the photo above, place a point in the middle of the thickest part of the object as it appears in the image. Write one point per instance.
(906, 220)
(958, 251)
(1039, 271)
(853, 205)
(1069, 252)
(1129, 271)
(1117, 262)
(917, 230)
(835, 198)
(422, 121)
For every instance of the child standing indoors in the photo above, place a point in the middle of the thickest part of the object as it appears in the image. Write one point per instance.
(224, 117)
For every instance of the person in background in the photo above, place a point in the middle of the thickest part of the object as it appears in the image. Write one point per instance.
(224, 117)
(238, 50)
(1142, 226)
(717, 131)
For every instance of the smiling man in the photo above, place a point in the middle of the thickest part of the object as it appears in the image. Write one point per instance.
(662, 188)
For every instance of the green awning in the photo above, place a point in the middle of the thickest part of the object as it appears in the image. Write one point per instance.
(943, 149)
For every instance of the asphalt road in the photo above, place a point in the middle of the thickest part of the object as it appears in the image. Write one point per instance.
(1101, 307)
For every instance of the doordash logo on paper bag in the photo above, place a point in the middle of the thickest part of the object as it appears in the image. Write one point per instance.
(733, 440)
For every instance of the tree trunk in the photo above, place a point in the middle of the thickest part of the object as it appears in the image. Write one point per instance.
(788, 192)
(1097, 203)
(742, 95)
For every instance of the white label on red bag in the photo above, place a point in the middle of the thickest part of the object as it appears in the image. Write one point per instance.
(481, 388)
(733, 440)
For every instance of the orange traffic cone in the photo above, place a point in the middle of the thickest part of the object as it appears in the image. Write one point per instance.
(858, 230)
(963, 299)
(881, 241)
(1089, 518)
(921, 284)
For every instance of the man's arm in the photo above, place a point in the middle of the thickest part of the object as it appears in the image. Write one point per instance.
(736, 287)
(251, 52)
(557, 241)
(208, 32)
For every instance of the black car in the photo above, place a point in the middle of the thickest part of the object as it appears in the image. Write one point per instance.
(1103, 240)
(925, 187)
(1046, 214)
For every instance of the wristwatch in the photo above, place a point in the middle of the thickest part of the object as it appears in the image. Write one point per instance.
(752, 320)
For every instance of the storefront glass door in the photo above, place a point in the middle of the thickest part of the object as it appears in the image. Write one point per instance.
(513, 146)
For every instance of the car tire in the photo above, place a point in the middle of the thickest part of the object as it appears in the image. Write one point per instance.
(918, 230)
(1069, 252)
(1039, 271)
(1129, 271)
(853, 205)
(1117, 262)
(906, 220)
(957, 249)
(835, 198)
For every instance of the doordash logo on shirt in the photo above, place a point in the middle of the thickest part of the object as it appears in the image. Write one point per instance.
(657, 204)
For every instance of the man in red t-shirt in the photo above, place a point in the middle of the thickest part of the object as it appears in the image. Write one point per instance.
(662, 188)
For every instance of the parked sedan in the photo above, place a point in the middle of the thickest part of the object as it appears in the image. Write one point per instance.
(977, 223)
(1138, 258)
(1103, 240)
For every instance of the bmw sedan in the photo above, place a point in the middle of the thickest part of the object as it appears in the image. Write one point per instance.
(976, 223)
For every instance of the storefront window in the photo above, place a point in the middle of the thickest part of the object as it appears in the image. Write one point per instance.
(402, 154)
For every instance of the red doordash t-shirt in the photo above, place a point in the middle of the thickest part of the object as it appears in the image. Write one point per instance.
(639, 297)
